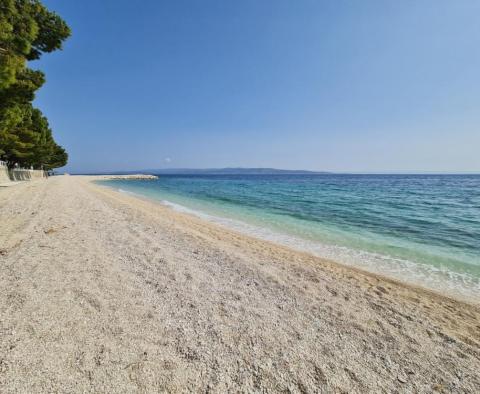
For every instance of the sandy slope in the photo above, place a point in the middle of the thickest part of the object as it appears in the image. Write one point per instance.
(103, 292)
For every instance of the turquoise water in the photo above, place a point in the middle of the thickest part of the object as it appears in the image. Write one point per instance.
(423, 229)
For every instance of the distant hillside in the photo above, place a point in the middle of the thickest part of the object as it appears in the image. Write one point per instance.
(229, 171)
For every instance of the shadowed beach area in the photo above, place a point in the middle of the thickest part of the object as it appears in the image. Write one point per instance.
(102, 291)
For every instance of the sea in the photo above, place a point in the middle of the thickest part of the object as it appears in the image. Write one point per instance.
(420, 229)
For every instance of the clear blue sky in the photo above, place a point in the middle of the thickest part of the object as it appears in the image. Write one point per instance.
(323, 85)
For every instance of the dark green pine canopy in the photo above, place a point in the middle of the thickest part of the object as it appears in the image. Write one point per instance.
(27, 30)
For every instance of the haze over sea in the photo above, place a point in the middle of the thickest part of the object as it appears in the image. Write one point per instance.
(423, 229)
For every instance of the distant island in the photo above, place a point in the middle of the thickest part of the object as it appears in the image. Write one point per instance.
(222, 171)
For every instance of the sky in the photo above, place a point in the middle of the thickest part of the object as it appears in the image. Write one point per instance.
(348, 86)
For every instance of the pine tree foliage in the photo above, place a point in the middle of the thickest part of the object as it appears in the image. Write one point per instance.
(27, 30)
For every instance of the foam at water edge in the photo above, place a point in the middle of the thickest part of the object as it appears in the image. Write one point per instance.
(128, 192)
(439, 279)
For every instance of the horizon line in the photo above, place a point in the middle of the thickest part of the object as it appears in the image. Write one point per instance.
(325, 172)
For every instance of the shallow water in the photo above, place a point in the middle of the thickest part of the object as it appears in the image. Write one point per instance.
(424, 229)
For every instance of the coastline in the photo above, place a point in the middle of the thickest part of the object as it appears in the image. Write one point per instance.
(407, 272)
(191, 215)
(176, 300)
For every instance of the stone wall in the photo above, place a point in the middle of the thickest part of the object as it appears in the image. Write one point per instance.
(4, 177)
(19, 174)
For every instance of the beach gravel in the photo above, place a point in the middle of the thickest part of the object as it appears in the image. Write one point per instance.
(104, 292)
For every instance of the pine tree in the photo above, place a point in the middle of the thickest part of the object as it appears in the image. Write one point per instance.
(27, 30)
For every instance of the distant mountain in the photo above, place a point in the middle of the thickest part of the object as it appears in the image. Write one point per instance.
(228, 171)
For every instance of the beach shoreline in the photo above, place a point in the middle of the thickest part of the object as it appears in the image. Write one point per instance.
(408, 272)
(175, 301)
